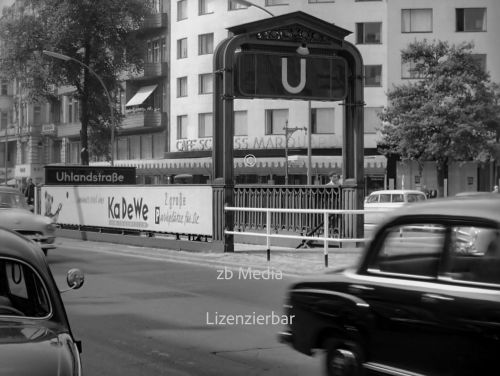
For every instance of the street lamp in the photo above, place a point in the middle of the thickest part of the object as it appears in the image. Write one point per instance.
(250, 4)
(59, 56)
(288, 134)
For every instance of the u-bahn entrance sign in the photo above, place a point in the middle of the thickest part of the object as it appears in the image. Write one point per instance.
(292, 56)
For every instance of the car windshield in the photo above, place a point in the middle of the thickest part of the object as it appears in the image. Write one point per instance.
(13, 200)
(22, 292)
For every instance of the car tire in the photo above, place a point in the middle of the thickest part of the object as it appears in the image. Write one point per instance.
(343, 358)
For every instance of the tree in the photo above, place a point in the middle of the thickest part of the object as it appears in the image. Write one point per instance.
(447, 114)
(100, 34)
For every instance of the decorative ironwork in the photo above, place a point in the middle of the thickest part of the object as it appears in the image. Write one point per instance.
(294, 33)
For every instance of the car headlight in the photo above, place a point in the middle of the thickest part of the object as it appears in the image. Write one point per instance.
(50, 227)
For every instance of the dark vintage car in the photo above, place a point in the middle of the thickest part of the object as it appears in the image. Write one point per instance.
(35, 336)
(15, 214)
(423, 300)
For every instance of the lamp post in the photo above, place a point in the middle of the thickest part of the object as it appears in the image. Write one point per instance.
(6, 152)
(250, 4)
(59, 56)
(288, 134)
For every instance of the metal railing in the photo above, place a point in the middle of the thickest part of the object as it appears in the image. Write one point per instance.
(328, 215)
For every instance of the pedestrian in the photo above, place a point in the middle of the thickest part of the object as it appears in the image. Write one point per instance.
(29, 192)
(495, 189)
(334, 180)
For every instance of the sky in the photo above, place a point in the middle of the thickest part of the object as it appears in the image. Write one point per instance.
(5, 3)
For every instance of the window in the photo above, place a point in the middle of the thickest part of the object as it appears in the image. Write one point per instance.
(416, 20)
(240, 123)
(232, 5)
(149, 56)
(146, 146)
(74, 152)
(474, 254)
(164, 51)
(480, 60)
(321, 1)
(372, 121)
(135, 147)
(122, 149)
(182, 87)
(157, 6)
(401, 253)
(205, 126)
(37, 114)
(56, 151)
(206, 83)
(205, 44)
(408, 69)
(4, 88)
(4, 120)
(181, 10)
(277, 2)
(205, 6)
(373, 75)
(368, 33)
(182, 51)
(471, 19)
(276, 121)
(322, 120)
(182, 124)
(156, 51)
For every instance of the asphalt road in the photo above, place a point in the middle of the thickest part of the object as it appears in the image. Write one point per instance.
(150, 316)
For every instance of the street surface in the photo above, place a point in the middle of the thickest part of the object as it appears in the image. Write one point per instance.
(140, 314)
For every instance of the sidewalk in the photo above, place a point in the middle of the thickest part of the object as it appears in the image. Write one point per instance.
(288, 260)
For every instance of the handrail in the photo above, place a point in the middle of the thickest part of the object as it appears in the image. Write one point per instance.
(326, 213)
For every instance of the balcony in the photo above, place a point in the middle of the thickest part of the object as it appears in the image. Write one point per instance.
(155, 21)
(155, 70)
(143, 119)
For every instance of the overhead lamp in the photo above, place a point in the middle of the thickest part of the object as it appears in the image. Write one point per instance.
(302, 49)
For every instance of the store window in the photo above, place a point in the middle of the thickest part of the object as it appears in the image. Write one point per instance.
(205, 125)
(206, 83)
(369, 33)
(373, 75)
(122, 150)
(146, 146)
(322, 120)
(205, 44)
(277, 2)
(182, 126)
(470, 19)
(276, 121)
(416, 20)
(74, 152)
(135, 147)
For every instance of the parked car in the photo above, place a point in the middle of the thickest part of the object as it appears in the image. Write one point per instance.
(35, 336)
(423, 300)
(380, 203)
(15, 214)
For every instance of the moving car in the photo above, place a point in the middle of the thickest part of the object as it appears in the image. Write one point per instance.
(380, 203)
(35, 336)
(423, 300)
(15, 214)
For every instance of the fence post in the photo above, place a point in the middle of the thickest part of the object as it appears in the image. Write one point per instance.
(268, 234)
(325, 234)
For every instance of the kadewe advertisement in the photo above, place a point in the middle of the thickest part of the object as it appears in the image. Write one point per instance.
(172, 209)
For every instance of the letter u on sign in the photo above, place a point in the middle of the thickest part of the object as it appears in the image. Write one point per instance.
(284, 76)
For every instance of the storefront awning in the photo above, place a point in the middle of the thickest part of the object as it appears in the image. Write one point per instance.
(264, 165)
(141, 95)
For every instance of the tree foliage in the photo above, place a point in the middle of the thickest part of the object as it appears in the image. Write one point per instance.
(449, 113)
(100, 34)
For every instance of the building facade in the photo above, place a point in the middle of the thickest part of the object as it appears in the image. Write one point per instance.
(168, 124)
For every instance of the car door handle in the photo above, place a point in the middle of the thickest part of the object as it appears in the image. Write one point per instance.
(360, 288)
(432, 298)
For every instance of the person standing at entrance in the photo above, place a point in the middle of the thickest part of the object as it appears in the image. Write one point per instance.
(29, 192)
(334, 180)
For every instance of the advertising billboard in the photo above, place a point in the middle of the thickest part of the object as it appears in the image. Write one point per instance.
(169, 209)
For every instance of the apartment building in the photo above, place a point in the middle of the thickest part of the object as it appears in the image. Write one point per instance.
(168, 123)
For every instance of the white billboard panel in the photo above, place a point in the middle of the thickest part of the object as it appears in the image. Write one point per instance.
(172, 209)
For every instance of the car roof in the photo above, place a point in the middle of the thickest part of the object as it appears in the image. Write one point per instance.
(397, 191)
(18, 247)
(485, 206)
